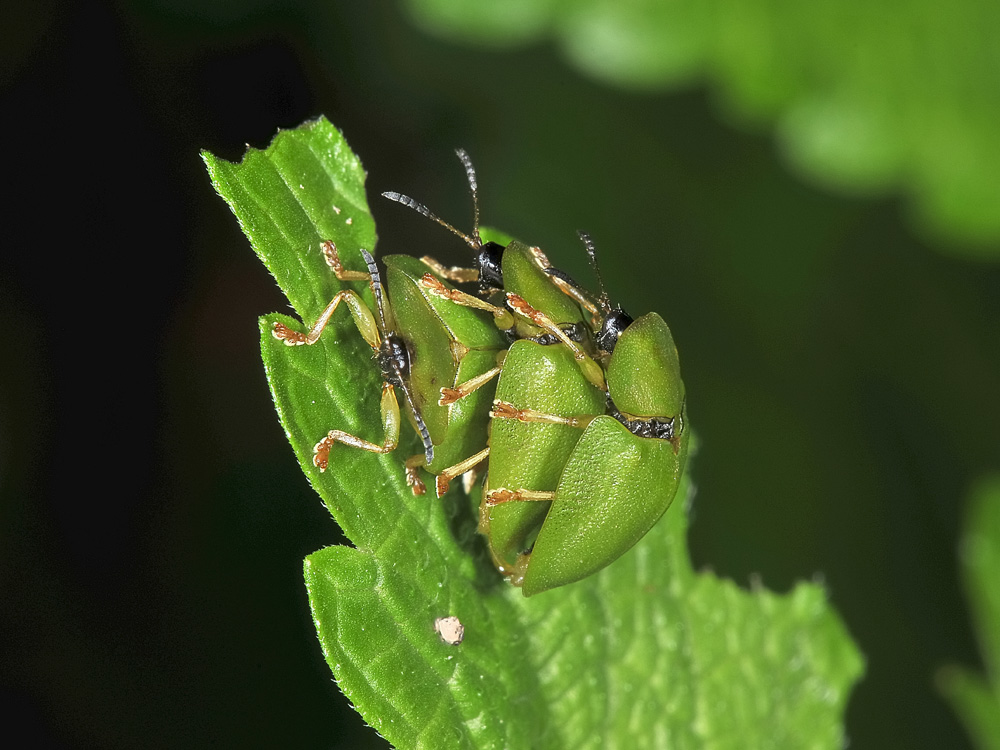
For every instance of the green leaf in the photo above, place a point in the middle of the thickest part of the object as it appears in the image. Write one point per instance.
(645, 654)
(863, 96)
(977, 701)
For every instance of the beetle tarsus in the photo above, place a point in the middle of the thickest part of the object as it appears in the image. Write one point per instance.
(441, 484)
(458, 274)
(449, 396)
(321, 453)
(443, 481)
(506, 410)
(503, 495)
(287, 335)
(498, 496)
(414, 482)
(332, 258)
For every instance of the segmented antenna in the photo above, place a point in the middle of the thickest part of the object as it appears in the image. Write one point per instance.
(470, 174)
(562, 276)
(475, 241)
(604, 301)
(376, 282)
(421, 209)
(425, 435)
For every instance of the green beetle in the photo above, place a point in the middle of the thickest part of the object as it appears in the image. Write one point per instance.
(550, 518)
(520, 272)
(577, 474)
(423, 344)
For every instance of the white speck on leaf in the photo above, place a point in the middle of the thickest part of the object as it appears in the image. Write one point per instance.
(450, 629)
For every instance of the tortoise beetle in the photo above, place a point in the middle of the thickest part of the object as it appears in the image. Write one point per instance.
(578, 475)
(422, 344)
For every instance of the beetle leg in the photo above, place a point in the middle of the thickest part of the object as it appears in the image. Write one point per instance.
(591, 370)
(502, 317)
(506, 410)
(451, 395)
(332, 258)
(503, 495)
(567, 288)
(444, 478)
(458, 274)
(413, 480)
(361, 313)
(540, 258)
(571, 291)
(390, 423)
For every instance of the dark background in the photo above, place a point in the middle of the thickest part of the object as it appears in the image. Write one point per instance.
(842, 371)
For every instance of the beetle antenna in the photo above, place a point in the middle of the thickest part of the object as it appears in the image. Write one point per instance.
(376, 284)
(425, 435)
(470, 174)
(604, 301)
(569, 286)
(560, 274)
(474, 242)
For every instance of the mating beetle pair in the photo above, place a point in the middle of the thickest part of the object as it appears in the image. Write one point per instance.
(586, 434)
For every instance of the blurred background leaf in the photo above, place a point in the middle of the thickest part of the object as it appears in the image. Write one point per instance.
(975, 699)
(865, 97)
(843, 371)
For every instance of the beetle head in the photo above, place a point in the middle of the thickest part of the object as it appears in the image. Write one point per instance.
(488, 254)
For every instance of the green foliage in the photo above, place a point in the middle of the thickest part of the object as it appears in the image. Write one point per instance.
(977, 700)
(864, 96)
(647, 653)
